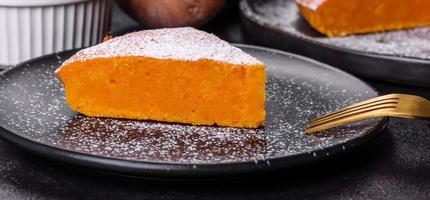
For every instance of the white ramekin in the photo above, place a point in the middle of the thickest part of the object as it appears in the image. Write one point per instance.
(31, 28)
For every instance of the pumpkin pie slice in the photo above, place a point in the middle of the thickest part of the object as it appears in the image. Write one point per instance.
(173, 75)
(346, 17)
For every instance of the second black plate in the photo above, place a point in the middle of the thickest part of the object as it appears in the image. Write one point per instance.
(396, 56)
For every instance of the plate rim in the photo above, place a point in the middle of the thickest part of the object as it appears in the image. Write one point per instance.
(186, 170)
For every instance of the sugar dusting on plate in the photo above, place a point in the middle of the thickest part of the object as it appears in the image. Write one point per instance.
(32, 104)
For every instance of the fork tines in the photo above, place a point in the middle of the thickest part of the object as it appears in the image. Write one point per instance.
(399, 105)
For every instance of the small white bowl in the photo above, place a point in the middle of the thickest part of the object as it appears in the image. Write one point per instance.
(31, 28)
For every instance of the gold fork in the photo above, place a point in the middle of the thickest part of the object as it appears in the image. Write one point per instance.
(392, 105)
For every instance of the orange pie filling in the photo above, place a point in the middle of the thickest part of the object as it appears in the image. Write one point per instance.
(202, 92)
(346, 17)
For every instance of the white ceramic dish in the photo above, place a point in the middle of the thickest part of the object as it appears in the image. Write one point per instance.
(31, 28)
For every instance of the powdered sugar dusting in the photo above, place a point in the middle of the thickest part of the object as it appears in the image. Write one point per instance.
(168, 43)
(157, 141)
(312, 4)
(32, 104)
(284, 15)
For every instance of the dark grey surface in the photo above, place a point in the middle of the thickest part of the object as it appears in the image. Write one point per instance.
(396, 165)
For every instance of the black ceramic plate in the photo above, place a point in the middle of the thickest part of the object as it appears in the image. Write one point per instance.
(396, 56)
(34, 115)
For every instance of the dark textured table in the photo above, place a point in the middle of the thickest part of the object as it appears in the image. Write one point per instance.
(395, 165)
